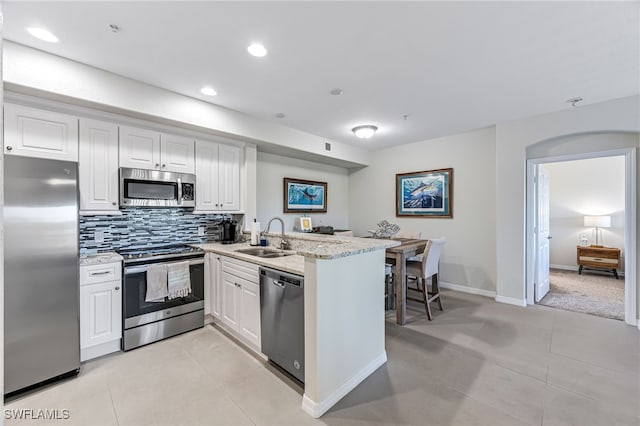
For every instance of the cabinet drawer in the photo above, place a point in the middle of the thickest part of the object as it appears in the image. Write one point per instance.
(602, 260)
(101, 273)
(240, 268)
(599, 253)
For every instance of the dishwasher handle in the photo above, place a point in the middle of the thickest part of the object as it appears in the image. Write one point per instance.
(278, 283)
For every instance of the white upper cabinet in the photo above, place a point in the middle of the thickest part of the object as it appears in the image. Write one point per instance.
(146, 149)
(177, 154)
(32, 132)
(98, 166)
(217, 176)
(139, 148)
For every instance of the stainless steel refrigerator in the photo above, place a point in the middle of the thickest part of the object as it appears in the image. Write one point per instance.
(41, 296)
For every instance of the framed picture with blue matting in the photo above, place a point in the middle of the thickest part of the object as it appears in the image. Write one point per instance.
(425, 194)
(304, 196)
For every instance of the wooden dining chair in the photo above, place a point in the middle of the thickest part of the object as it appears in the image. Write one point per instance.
(425, 266)
(389, 289)
(415, 235)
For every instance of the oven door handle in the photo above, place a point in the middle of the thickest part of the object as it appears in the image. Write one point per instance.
(143, 268)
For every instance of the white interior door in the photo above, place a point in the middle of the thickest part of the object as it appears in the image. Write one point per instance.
(542, 234)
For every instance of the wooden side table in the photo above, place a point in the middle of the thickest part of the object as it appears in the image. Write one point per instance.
(599, 258)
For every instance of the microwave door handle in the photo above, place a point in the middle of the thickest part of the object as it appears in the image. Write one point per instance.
(179, 191)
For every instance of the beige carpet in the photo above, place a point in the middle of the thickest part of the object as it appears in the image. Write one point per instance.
(589, 293)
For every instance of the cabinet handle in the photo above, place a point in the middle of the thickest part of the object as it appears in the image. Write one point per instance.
(114, 203)
(100, 273)
(9, 148)
(117, 288)
(164, 165)
(157, 164)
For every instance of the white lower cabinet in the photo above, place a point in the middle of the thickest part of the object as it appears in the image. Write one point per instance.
(100, 310)
(212, 289)
(234, 297)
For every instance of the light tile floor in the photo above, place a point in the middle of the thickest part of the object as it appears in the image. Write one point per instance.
(478, 363)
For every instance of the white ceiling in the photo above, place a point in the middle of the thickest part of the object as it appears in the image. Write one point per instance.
(449, 66)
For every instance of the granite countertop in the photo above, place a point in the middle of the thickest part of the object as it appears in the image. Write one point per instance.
(293, 264)
(96, 259)
(304, 245)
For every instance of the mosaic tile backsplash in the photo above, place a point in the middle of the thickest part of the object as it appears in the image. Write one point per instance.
(147, 228)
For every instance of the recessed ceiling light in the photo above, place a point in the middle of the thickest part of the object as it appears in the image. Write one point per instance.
(336, 92)
(365, 131)
(209, 91)
(42, 34)
(256, 49)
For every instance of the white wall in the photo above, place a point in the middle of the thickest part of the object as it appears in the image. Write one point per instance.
(468, 258)
(584, 188)
(272, 169)
(512, 140)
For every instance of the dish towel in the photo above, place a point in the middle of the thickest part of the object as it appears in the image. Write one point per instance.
(178, 278)
(156, 283)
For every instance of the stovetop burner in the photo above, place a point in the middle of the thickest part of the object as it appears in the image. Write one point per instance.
(158, 252)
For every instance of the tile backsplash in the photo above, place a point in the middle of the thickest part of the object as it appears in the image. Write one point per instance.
(138, 227)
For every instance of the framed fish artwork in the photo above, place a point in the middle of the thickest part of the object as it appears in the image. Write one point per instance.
(425, 194)
(304, 196)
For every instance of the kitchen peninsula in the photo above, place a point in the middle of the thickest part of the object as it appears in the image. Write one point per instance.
(343, 308)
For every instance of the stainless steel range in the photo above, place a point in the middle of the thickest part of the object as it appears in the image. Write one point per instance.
(147, 322)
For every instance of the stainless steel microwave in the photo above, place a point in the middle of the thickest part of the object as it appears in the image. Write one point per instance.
(153, 188)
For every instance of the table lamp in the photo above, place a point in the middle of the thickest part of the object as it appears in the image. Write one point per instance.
(597, 222)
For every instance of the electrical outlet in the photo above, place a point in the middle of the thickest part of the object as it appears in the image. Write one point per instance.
(98, 236)
(201, 230)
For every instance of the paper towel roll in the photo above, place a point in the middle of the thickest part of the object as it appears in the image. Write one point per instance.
(255, 233)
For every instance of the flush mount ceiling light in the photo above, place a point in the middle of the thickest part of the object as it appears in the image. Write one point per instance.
(209, 91)
(364, 132)
(42, 34)
(258, 50)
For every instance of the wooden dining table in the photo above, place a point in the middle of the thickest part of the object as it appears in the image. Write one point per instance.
(408, 247)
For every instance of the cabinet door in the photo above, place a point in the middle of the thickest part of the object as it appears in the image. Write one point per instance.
(98, 165)
(229, 177)
(139, 148)
(216, 287)
(100, 313)
(38, 133)
(249, 301)
(177, 154)
(207, 176)
(229, 308)
(212, 289)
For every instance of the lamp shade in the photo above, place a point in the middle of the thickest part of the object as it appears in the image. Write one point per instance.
(597, 221)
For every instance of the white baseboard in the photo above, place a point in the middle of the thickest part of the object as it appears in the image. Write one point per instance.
(511, 301)
(465, 289)
(317, 409)
(564, 267)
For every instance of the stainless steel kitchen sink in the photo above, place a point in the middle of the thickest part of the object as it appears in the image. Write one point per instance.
(264, 252)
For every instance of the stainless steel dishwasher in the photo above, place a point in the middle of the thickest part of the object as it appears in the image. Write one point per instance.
(282, 320)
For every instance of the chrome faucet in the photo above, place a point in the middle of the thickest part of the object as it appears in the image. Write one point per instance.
(284, 243)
